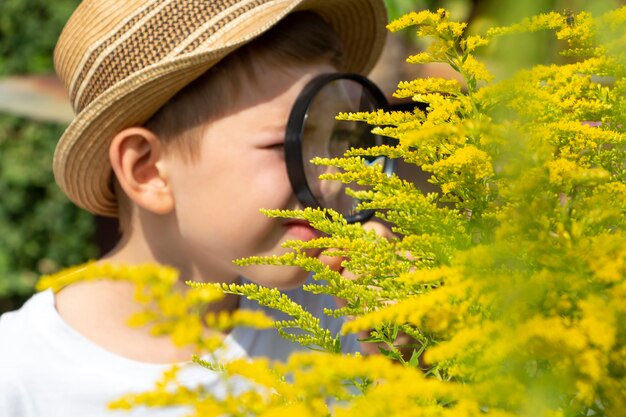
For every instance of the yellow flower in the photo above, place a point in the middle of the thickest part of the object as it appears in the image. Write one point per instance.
(474, 68)
(470, 43)
(224, 320)
(410, 19)
(289, 410)
(598, 321)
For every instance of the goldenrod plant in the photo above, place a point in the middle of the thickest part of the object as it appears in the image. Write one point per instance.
(508, 284)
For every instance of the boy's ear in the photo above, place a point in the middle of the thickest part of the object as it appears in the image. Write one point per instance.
(136, 156)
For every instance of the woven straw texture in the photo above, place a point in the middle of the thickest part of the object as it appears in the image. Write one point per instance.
(121, 60)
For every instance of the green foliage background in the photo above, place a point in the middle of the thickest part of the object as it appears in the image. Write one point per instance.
(40, 230)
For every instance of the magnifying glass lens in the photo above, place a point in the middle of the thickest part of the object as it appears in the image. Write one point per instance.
(323, 136)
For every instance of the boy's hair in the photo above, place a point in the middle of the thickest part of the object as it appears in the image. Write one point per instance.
(302, 38)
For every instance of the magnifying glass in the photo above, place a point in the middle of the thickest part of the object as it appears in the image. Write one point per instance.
(312, 131)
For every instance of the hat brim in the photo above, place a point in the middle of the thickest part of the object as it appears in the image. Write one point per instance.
(81, 162)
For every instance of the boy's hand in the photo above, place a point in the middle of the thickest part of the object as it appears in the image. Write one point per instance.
(334, 263)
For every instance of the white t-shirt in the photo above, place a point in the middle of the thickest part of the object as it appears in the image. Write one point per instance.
(47, 369)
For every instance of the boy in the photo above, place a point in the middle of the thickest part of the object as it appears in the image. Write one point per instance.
(181, 112)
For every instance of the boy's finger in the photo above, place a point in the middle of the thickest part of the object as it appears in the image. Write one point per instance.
(381, 228)
(333, 262)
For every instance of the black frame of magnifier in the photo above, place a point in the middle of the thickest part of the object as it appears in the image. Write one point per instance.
(295, 130)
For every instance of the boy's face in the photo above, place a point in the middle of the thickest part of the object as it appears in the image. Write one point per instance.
(241, 170)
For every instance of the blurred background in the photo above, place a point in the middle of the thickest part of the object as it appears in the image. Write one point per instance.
(41, 231)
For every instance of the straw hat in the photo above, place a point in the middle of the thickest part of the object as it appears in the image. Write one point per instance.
(121, 60)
